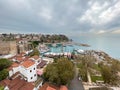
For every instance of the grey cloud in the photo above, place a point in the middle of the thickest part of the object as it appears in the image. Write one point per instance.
(54, 16)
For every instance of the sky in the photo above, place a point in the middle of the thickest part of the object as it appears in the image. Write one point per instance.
(69, 17)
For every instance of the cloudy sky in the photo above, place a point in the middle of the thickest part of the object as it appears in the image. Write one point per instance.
(70, 17)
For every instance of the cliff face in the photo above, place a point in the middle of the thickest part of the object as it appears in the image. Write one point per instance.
(8, 47)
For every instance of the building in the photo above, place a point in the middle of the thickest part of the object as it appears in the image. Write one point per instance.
(36, 58)
(17, 84)
(15, 67)
(8, 47)
(25, 70)
(28, 69)
(48, 86)
(23, 46)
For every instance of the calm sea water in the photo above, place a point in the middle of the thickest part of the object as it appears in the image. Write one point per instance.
(108, 44)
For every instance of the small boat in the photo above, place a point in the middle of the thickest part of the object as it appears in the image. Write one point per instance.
(80, 51)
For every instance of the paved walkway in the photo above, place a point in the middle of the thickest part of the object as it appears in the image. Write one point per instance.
(75, 83)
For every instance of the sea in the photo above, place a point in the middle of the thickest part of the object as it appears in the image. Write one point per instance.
(107, 43)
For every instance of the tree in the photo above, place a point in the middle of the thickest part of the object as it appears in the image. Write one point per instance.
(1, 88)
(110, 75)
(35, 52)
(60, 73)
(115, 65)
(35, 43)
(85, 67)
(83, 73)
(110, 71)
(51, 74)
(3, 74)
(66, 70)
(4, 63)
(53, 38)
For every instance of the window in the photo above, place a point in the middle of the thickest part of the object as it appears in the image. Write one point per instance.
(30, 70)
(34, 68)
(34, 75)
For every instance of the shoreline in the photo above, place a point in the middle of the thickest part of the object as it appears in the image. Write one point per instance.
(71, 43)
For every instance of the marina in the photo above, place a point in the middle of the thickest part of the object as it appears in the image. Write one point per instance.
(60, 49)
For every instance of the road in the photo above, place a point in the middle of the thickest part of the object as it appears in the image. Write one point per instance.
(75, 83)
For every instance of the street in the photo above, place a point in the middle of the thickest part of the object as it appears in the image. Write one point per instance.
(76, 84)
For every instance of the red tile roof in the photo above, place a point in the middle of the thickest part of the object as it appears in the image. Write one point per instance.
(22, 53)
(26, 58)
(48, 86)
(17, 84)
(19, 58)
(13, 65)
(42, 64)
(63, 88)
(14, 82)
(5, 82)
(27, 86)
(28, 63)
(15, 75)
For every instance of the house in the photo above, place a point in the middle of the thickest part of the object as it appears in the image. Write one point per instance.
(42, 64)
(36, 58)
(18, 58)
(17, 84)
(63, 87)
(28, 69)
(27, 72)
(48, 86)
(48, 60)
(15, 67)
(38, 83)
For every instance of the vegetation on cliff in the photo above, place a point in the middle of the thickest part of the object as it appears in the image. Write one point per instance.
(53, 38)
(106, 68)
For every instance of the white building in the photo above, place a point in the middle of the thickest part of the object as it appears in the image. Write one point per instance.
(49, 60)
(13, 69)
(28, 69)
(36, 58)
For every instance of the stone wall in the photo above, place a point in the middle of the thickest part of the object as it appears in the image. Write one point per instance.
(8, 47)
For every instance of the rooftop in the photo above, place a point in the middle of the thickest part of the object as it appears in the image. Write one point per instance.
(17, 84)
(5, 82)
(35, 57)
(28, 63)
(13, 65)
(63, 88)
(42, 64)
(19, 58)
(48, 86)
